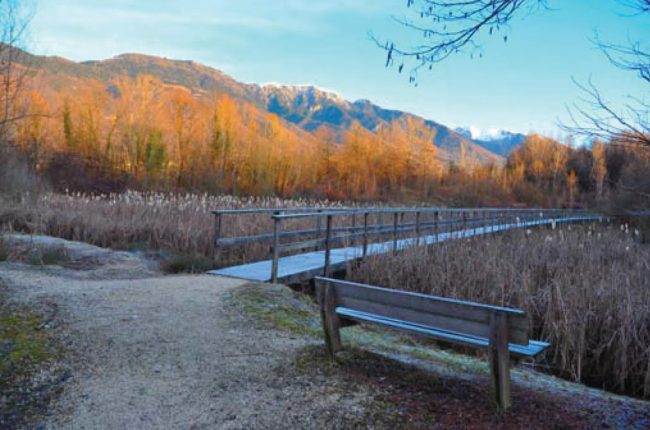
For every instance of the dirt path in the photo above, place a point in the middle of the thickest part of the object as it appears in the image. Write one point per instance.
(166, 353)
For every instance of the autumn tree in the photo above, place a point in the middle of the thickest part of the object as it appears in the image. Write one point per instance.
(137, 102)
(599, 167)
(325, 149)
(31, 133)
(183, 109)
(572, 186)
(224, 125)
(357, 162)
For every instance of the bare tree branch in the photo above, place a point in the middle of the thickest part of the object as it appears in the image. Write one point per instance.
(639, 6)
(451, 26)
(593, 116)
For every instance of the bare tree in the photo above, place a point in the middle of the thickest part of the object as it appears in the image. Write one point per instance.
(594, 116)
(13, 25)
(448, 27)
(17, 179)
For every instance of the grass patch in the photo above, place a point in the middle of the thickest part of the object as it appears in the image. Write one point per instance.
(41, 256)
(30, 374)
(280, 308)
(22, 344)
(48, 257)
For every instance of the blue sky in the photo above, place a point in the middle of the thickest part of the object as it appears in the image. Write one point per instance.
(523, 85)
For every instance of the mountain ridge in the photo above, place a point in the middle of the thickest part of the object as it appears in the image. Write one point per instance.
(305, 106)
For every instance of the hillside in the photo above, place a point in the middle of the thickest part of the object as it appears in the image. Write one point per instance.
(305, 106)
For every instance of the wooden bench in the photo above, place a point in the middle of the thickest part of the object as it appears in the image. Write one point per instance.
(503, 331)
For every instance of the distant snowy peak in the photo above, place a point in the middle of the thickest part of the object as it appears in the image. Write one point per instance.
(499, 141)
(305, 90)
(477, 133)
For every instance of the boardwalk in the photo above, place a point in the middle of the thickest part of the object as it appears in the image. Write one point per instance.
(302, 267)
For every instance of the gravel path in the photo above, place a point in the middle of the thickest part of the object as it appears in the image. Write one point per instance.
(170, 352)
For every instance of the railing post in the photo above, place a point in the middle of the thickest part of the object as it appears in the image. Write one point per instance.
(318, 221)
(365, 234)
(417, 228)
(451, 224)
(276, 248)
(328, 238)
(464, 224)
(436, 229)
(217, 236)
(395, 218)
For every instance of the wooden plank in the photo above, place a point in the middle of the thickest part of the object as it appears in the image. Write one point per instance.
(443, 307)
(363, 290)
(434, 320)
(500, 360)
(413, 328)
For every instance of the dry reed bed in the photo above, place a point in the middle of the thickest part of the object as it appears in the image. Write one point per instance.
(181, 223)
(586, 289)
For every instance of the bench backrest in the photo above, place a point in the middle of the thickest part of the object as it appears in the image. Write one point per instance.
(459, 316)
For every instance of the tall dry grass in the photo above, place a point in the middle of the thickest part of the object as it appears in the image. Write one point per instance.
(181, 223)
(587, 291)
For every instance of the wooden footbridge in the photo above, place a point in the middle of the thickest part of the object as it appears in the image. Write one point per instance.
(306, 242)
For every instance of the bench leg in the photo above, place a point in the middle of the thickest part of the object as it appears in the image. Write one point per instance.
(330, 320)
(500, 361)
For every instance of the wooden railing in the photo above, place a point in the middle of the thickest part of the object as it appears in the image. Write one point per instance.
(363, 226)
(220, 242)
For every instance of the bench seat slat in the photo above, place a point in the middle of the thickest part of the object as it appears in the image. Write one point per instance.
(414, 316)
(533, 348)
(448, 308)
